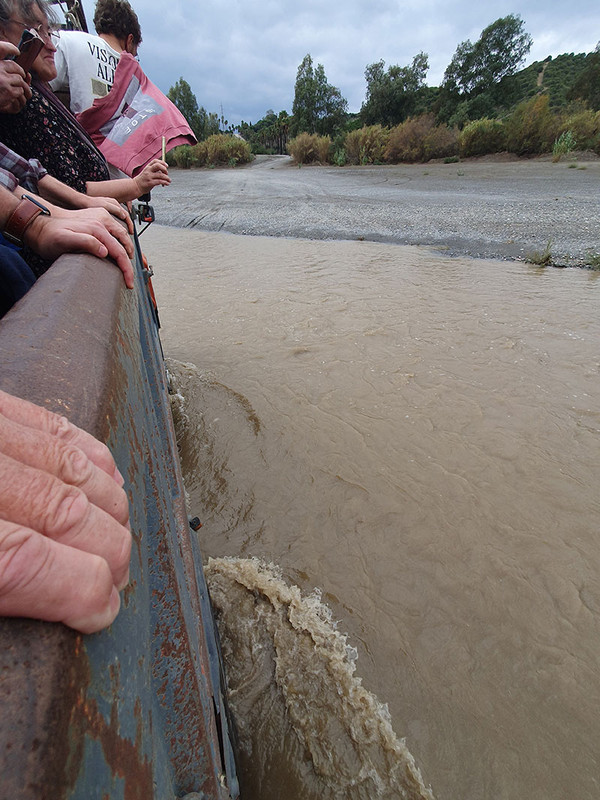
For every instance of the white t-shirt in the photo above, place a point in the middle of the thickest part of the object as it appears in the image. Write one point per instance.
(86, 65)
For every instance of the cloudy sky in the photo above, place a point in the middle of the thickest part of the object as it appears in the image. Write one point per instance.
(242, 55)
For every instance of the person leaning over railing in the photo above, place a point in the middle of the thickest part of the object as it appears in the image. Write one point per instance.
(15, 91)
(49, 239)
(46, 130)
(16, 173)
(85, 63)
(64, 521)
(51, 231)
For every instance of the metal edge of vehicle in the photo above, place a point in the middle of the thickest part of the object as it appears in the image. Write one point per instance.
(136, 711)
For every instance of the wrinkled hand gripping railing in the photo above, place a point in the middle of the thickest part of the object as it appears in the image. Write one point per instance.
(128, 713)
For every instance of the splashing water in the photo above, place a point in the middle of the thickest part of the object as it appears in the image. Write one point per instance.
(292, 677)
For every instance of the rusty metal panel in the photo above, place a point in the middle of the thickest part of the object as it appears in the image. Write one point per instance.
(127, 713)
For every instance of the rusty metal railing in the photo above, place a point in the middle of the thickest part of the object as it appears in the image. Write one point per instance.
(127, 713)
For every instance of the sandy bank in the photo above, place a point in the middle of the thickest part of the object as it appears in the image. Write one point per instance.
(498, 208)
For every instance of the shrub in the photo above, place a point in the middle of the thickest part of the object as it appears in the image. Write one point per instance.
(584, 126)
(420, 139)
(352, 147)
(366, 145)
(258, 149)
(170, 158)
(308, 148)
(323, 148)
(542, 258)
(440, 142)
(407, 139)
(481, 137)
(239, 151)
(592, 260)
(302, 148)
(373, 141)
(217, 149)
(565, 143)
(532, 128)
(183, 156)
(226, 149)
(199, 154)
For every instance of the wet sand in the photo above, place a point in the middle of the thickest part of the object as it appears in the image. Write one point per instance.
(509, 208)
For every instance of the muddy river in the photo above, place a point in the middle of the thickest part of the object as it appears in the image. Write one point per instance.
(395, 456)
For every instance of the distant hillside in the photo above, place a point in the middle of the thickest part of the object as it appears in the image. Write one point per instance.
(554, 76)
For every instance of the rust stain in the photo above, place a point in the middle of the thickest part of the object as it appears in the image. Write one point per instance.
(123, 757)
(129, 592)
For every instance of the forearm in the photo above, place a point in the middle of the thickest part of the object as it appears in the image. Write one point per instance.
(55, 210)
(156, 173)
(60, 194)
(8, 206)
(121, 189)
(64, 197)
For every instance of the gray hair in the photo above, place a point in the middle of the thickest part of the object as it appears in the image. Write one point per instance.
(26, 10)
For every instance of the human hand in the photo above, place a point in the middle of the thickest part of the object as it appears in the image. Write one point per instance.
(91, 230)
(109, 204)
(65, 196)
(64, 529)
(14, 88)
(84, 201)
(156, 173)
(95, 211)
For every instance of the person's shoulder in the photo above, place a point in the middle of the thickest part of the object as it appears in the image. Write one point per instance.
(78, 39)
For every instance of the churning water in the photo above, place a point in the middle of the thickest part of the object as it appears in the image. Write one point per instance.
(395, 457)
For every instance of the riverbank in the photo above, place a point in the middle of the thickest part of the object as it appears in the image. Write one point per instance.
(484, 208)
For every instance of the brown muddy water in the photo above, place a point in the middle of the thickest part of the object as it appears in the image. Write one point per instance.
(396, 460)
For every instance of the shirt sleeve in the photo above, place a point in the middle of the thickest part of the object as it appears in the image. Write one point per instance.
(21, 171)
(8, 180)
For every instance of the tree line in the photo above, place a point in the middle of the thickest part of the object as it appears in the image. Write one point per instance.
(481, 81)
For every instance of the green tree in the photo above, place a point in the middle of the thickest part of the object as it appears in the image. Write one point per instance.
(318, 106)
(396, 93)
(208, 123)
(497, 53)
(203, 123)
(480, 78)
(269, 134)
(587, 85)
(182, 96)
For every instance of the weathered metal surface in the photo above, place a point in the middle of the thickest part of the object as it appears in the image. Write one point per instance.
(127, 713)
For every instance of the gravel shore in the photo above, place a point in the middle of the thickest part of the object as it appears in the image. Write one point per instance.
(484, 208)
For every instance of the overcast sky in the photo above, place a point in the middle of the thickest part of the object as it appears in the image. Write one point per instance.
(242, 55)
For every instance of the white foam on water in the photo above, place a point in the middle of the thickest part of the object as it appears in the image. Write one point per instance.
(268, 626)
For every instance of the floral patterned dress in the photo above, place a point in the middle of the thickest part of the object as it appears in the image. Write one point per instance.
(45, 130)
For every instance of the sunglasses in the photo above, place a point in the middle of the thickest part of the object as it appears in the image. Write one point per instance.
(42, 31)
